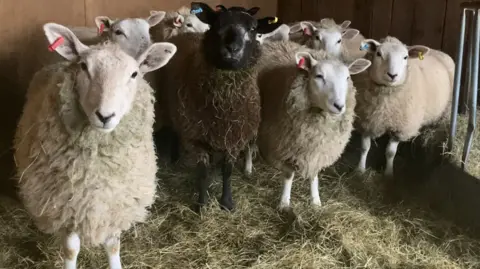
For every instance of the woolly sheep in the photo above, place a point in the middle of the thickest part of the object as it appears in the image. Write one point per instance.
(281, 33)
(328, 35)
(213, 100)
(177, 22)
(308, 102)
(132, 34)
(407, 87)
(84, 149)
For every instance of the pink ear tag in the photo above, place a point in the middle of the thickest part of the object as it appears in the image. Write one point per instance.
(100, 30)
(59, 41)
(301, 63)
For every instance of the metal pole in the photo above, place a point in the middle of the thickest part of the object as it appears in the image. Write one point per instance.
(457, 81)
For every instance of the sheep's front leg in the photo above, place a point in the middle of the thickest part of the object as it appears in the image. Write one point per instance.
(314, 194)
(248, 160)
(390, 153)
(227, 201)
(366, 144)
(287, 189)
(202, 182)
(71, 248)
(112, 247)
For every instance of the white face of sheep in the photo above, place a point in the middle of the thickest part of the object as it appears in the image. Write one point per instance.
(189, 24)
(279, 34)
(328, 39)
(390, 59)
(107, 77)
(133, 35)
(329, 80)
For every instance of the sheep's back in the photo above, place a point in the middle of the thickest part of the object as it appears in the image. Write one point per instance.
(71, 176)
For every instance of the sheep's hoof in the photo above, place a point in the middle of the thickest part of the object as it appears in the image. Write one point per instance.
(227, 204)
(283, 207)
(388, 173)
(198, 207)
(316, 203)
(247, 173)
(361, 170)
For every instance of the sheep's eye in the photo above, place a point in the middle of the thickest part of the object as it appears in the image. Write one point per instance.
(317, 37)
(378, 54)
(134, 74)
(118, 32)
(189, 25)
(405, 57)
(339, 41)
(260, 35)
(83, 66)
(348, 77)
(320, 76)
(253, 29)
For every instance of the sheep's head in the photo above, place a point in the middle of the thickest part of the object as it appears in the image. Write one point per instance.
(132, 34)
(107, 77)
(390, 59)
(329, 80)
(230, 43)
(328, 37)
(272, 29)
(184, 22)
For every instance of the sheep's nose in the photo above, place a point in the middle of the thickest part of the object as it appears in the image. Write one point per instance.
(104, 119)
(233, 48)
(392, 76)
(337, 106)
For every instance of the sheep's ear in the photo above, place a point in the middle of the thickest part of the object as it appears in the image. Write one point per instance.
(156, 56)
(179, 20)
(103, 23)
(253, 11)
(203, 12)
(308, 28)
(325, 20)
(63, 41)
(305, 60)
(156, 17)
(295, 28)
(369, 45)
(359, 65)
(350, 33)
(417, 51)
(345, 24)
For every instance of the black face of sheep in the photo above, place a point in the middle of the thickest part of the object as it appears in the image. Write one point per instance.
(268, 25)
(230, 43)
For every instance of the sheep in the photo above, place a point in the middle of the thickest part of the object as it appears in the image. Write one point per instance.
(86, 163)
(177, 22)
(308, 102)
(406, 88)
(275, 30)
(131, 33)
(328, 35)
(213, 99)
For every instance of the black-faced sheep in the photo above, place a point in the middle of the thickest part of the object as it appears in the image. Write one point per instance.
(405, 89)
(308, 102)
(84, 150)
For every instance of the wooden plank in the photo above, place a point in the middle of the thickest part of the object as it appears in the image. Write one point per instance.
(361, 16)
(289, 11)
(381, 18)
(402, 20)
(309, 10)
(429, 17)
(326, 9)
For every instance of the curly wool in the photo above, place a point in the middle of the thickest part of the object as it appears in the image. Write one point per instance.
(72, 177)
(213, 110)
(292, 135)
(402, 110)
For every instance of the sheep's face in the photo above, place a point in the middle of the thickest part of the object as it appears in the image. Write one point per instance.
(329, 81)
(189, 24)
(390, 60)
(230, 43)
(133, 35)
(107, 77)
(329, 39)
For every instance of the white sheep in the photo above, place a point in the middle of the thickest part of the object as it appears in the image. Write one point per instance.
(132, 34)
(308, 102)
(84, 149)
(405, 89)
(279, 34)
(177, 22)
(327, 35)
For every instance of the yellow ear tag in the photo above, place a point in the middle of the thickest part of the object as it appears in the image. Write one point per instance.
(420, 55)
(273, 21)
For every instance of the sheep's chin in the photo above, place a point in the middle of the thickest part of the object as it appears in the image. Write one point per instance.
(103, 130)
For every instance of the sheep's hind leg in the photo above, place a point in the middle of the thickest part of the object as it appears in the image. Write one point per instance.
(202, 182)
(71, 248)
(390, 153)
(314, 194)
(287, 189)
(112, 247)
(366, 144)
(248, 160)
(227, 201)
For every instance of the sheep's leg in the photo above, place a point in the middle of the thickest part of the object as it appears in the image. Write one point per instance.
(390, 153)
(71, 248)
(112, 247)
(314, 194)
(202, 182)
(248, 160)
(366, 144)
(227, 201)
(287, 189)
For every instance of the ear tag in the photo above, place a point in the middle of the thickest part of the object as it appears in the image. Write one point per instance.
(56, 43)
(196, 11)
(301, 62)
(364, 47)
(420, 55)
(273, 21)
(100, 30)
